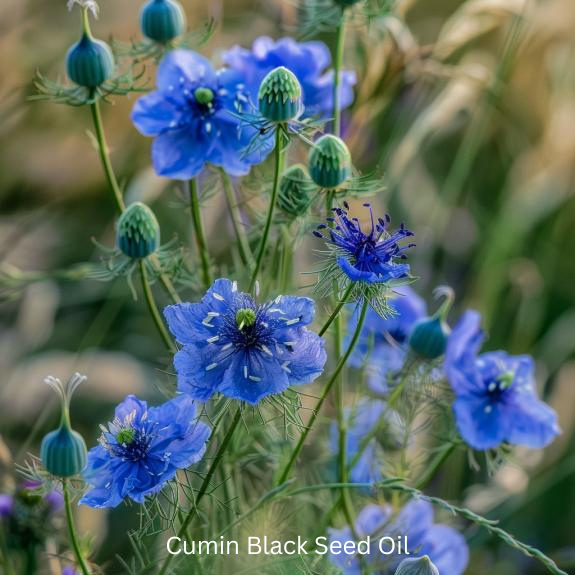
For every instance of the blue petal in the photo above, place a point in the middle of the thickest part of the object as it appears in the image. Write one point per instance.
(185, 64)
(447, 548)
(186, 322)
(372, 518)
(154, 113)
(179, 154)
(307, 360)
(129, 406)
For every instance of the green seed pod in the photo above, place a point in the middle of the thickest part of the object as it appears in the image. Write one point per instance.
(346, 3)
(138, 231)
(280, 97)
(420, 566)
(162, 20)
(89, 62)
(295, 191)
(329, 162)
(428, 337)
(63, 451)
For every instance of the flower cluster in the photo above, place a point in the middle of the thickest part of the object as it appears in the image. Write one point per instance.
(241, 349)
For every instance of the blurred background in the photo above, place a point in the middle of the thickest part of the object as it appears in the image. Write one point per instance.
(467, 108)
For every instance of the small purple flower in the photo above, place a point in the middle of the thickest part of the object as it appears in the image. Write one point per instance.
(193, 118)
(69, 570)
(443, 544)
(142, 449)
(366, 257)
(6, 505)
(241, 349)
(307, 60)
(496, 400)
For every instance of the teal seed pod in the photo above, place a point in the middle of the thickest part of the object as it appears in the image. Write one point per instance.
(138, 231)
(280, 96)
(89, 62)
(346, 3)
(162, 20)
(63, 451)
(295, 191)
(329, 162)
(420, 566)
(428, 337)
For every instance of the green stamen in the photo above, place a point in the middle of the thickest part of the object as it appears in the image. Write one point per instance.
(245, 317)
(125, 436)
(506, 379)
(204, 96)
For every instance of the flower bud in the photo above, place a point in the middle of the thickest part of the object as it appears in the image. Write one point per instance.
(295, 191)
(329, 162)
(280, 97)
(429, 335)
(89, 62)
(346, 3)
(138, 233)
(63, 451)
(420, 566)
(162, 20)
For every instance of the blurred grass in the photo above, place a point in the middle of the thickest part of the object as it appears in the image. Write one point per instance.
(469, 110)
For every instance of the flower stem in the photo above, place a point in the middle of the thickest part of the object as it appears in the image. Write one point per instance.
(154, 312)
(279, 160)
(235, 215)
(437, 462)
(199, 233)
(335, 312)
(340, 364)
(72, 529)
(205, 485)
(337, 64)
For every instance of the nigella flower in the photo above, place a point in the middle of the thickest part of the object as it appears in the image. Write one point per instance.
(241, 349)
(373, 261)
(496, 400)
(193, 118)
(307, 60)
(367, 424)
(443, 544)
(142, 449)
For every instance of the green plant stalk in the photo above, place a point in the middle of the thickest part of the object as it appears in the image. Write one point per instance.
(279, 162)
(335, 313)
(205, 485)
(440, 458)
(72, 529)
(315, 413)
(199, 233)
(153, 308)
(235, 215)
(337, 65)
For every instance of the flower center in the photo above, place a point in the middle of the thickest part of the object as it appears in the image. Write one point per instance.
(204, 96)
(245, 318)
(126, 436)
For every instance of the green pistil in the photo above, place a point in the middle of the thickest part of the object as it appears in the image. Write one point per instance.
(125, 436)
(506, 379)
(204, 96)
(245, 317)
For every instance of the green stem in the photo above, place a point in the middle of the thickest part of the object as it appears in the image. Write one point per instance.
(342, 361)
(337, 64)
(204, 486)
(437, 462)
(105, 156)
(199, 232)
(337, 309)
(154, 312)
(279, 160)
(72, 530)
(235, 215)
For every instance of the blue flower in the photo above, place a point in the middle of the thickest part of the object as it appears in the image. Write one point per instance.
(307, 60)
(366, 257)
(193, 118)
(367, 419)
(443, 544)
(496, 400)
(243, 350)
(142, 449)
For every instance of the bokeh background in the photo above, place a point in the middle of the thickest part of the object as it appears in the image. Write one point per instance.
(467, 108)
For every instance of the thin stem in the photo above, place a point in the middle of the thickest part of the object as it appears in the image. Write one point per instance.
(342, 361)
(105, 156)
(199, 232)
(337, 64)
(205, 485)
(337, 309)
(236, 216)
(154, 312)
(72, 529)
(437, 462)
(279, 160)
